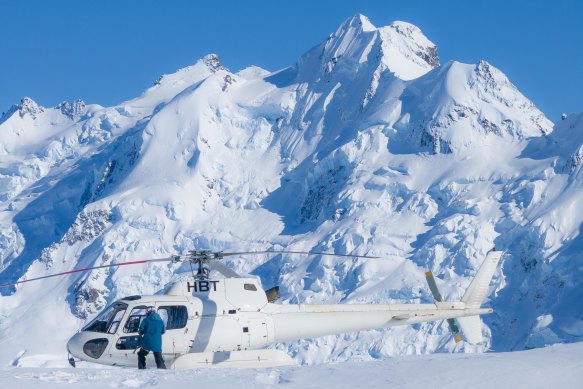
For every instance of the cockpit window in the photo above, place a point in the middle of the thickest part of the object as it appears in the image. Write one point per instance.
(115, 321)
(174, 317)
(108, 320)
(136, 316)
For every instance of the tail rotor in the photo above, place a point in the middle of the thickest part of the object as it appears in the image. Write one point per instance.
(455, 331)
(470, 325)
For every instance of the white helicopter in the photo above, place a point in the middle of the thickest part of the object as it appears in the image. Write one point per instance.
(229, 322)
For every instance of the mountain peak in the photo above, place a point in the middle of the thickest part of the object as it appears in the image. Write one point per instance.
(459, 105)
(29, 106)
(407, 51)
(428, 50)
(405, 28)
(358, 22)
(401, 48)
(192, 74)
(26, 106)
(213, 62)
(72, 109)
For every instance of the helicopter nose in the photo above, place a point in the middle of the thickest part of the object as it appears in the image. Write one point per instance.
(75, 346)
(87, 346)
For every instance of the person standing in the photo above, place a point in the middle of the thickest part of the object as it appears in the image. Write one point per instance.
(151, 330)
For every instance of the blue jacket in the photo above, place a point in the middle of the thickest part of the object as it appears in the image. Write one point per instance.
(151, 329)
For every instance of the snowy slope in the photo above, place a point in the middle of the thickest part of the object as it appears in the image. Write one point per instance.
(558, 366)
(366, 145)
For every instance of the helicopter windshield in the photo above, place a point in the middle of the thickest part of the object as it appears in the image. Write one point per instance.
(108, 320)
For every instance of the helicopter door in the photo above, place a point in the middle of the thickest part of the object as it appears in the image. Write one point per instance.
(176, 340)
(122, 351)
(129, 339)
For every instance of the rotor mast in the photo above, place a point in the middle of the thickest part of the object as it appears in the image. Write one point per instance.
(202, 258)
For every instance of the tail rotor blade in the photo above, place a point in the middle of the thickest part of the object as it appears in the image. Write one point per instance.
(433, 286)
(455, 331)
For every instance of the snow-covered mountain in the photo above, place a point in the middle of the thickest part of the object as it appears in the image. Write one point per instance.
(366, 145)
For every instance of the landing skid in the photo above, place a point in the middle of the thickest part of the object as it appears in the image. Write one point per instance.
(248, 359)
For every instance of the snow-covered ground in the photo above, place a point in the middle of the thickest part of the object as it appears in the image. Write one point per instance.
(558, 366)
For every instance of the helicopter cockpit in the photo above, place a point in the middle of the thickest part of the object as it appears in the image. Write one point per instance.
(108, 321)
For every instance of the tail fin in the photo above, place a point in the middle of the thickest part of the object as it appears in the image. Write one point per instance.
(478, 289)
(471, 326)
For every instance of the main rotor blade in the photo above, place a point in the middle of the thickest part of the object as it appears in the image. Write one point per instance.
(92, 268)
(299, 252)
(218, 266)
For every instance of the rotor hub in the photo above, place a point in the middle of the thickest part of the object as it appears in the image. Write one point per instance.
(205, 255)
(202, 258)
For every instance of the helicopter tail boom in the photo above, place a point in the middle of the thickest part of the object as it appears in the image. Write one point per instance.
(307, 321)
(291, 322)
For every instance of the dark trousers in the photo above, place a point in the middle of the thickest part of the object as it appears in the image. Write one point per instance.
(157, 356)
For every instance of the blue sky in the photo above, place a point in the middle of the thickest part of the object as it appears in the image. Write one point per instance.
(106, 52)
